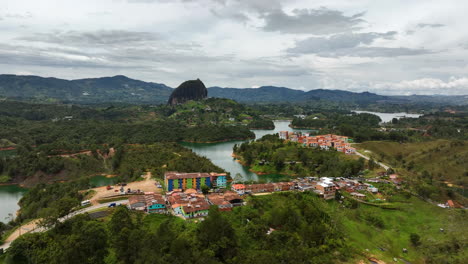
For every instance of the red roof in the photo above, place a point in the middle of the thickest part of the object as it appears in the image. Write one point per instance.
(238, 186)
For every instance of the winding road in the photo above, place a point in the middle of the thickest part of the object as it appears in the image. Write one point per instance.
(367, 158)
(33, 227)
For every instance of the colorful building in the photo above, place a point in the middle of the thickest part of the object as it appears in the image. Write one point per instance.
(218, 180)
(150, 202)
(189, 204)
(184, 181)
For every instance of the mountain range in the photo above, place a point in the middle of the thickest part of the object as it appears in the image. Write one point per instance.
(126, 90)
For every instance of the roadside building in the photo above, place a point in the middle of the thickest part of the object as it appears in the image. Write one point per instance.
(150, 202)
(137, 202)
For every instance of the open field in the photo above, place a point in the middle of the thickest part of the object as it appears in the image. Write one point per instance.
(146, 185)
(386, 232)
(440, 157)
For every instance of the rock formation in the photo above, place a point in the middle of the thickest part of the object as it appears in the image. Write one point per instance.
(188, 90)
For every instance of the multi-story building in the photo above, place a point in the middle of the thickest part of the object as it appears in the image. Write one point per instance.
(183, 181)
(218, 180)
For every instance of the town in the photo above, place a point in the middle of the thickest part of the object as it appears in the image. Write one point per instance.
(187, 197)
(326, 142)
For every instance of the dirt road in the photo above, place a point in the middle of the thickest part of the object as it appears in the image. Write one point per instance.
(146, 185)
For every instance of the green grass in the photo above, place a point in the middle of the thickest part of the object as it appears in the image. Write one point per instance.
(153, 221)
(122, 197)
(439, 157)
(414, 216)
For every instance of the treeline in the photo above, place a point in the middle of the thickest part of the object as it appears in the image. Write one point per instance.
(272, 155)
(127, 161)
(282, 228)
(29, 161)
(63, 133)
(261, 124)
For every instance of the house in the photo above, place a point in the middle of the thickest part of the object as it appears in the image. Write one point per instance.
(372, 189)
(283, 134)
(225, 201)
(218, 200)
(155, 203)
(150, 202)
(197, 207)
(218, 180)
(188, 205)
(325, 189)
(137, 202)
(239, 188)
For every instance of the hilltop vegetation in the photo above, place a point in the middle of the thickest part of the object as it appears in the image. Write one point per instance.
(93, 90)
(428, 166)
(128, 163)
(274, 156)
(63, 142)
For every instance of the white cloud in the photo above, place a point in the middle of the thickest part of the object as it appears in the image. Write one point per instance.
(453, 86)
(332, 44)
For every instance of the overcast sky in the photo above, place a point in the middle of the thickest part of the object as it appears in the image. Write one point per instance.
(386, 47)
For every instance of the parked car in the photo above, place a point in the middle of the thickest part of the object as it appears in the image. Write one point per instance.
(112, 205)
(85, 202)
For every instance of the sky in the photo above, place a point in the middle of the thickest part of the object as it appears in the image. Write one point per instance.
(390, 47)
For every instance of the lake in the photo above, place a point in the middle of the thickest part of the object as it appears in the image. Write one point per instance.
(387, 117)
(9, 197)
(220, 154)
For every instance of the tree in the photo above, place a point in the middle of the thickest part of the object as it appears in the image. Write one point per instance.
(217, 235)
(205, 189)
(415, 239)
(371, 164)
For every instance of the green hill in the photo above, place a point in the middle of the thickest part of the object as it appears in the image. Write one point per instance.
(431, 167)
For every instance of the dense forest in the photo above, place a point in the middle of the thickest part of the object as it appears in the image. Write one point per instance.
(280, 228)
(31, 165)
(128, 162)
(241, 237)
(272, 155)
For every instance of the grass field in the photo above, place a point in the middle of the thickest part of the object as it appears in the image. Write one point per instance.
(448, 159)
(386, 237)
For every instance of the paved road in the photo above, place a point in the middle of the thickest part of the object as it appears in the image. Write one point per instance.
(36, 229)
(367, 158)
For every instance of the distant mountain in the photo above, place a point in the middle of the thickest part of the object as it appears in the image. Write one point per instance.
(262, 94)
(188, 90)
(125, 90)
(282, 94)
(94, 90)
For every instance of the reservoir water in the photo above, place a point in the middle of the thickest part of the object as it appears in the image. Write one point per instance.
(9, 197)
(387, 117)
(220, 154)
